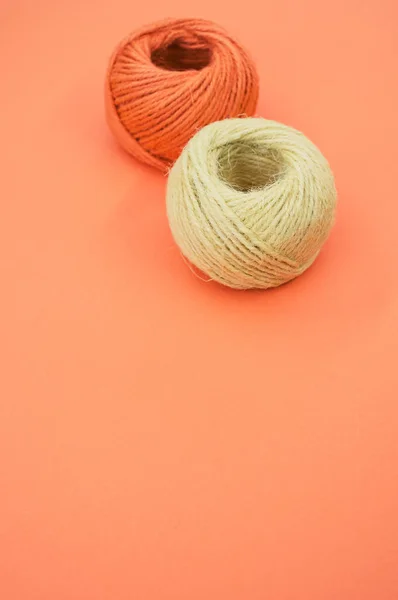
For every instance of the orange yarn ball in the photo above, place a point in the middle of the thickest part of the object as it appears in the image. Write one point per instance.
(169, 79)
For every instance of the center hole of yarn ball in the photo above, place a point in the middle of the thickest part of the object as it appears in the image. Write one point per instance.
(182, 55)
(245, 166)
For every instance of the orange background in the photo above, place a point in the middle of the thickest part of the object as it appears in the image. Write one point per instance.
(166, 439)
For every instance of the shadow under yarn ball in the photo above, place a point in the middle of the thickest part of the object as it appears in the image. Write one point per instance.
(250, 202)
(169, 79)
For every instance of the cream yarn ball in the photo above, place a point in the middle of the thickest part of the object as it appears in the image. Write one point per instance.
(250, 202)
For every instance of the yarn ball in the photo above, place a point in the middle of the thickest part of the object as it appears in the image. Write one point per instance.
(250, 202)
(169, 79)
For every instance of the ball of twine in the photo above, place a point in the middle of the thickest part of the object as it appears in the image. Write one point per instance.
(250, 202)
(169, 79)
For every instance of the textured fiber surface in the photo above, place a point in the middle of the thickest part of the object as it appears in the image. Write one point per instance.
(250, 202)
(169, 79)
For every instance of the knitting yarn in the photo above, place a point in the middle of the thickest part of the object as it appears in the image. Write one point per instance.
(250, 202)
(169, 79)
